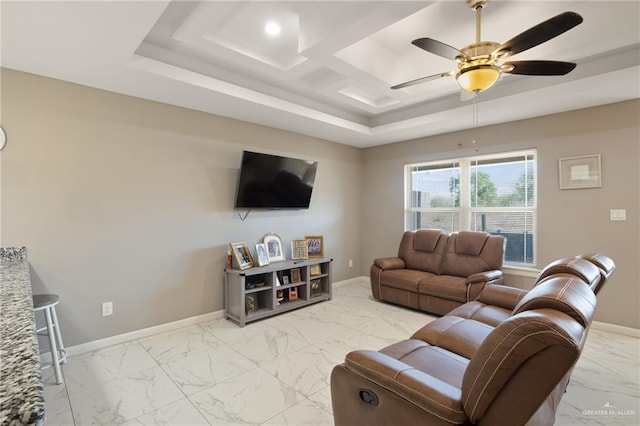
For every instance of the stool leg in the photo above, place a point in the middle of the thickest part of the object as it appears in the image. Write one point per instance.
(55, 362)
(63, 358)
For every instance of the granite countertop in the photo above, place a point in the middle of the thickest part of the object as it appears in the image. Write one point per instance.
(21, 389)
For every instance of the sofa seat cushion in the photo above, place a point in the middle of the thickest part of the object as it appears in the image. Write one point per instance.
(479, 311)
(457, 335)
(437, 362)
(444, 286)
(404, 279)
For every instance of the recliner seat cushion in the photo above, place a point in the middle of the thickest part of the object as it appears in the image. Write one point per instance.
(458, 335)
(404, 279)
(430, 359)
(444, 286)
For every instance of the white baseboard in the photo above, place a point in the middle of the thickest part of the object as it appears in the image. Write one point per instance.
(162, 328)
(350, 281)
(614, 328)
(139, 334)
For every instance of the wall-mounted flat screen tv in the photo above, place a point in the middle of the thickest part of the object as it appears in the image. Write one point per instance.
(273, 182)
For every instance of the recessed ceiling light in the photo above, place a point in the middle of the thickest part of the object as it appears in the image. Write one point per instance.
(272, 28)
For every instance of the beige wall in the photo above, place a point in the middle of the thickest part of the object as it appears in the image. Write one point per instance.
(125, 200)
(569, 221)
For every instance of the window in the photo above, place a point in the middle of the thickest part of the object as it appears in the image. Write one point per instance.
(495, 193)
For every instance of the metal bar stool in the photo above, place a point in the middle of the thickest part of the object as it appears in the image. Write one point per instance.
(47, 303)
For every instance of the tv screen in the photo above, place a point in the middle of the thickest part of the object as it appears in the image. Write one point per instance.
(273, 182)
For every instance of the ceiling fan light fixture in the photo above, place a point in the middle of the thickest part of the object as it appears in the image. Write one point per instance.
(477, 78)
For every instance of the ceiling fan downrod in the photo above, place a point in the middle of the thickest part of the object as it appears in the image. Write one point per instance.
(478, 5)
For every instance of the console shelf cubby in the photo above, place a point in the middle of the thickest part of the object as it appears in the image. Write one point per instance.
(261, 292)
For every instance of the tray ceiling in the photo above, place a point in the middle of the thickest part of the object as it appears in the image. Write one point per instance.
(328, 71)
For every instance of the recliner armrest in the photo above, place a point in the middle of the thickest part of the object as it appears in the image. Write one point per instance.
(425, 391)
(502, 296)
(386, 263)
(493, 277)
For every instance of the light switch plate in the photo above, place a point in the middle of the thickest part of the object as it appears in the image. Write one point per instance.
(618, 214)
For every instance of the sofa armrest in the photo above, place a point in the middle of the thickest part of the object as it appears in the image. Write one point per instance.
(476, 283)
(487, 277)
(502, 296)
(425, 391)
(386, 263)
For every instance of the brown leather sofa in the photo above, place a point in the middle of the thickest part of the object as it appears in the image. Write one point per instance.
(436, 272)
(504, 358)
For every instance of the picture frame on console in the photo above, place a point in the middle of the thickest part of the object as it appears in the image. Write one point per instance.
(275, 251)
(299, 249)
(315, 270)
(261, 254)
(241, 254)
(315, 246)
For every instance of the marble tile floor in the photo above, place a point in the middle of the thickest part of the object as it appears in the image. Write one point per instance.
(276, 371)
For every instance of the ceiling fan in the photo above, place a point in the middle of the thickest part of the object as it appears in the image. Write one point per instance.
(481, 64)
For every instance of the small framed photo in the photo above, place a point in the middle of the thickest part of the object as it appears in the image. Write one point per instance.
(250, 303)
(315, 245)
(316, 288)
(315, 270)
(285, 280)
(299, 249)
(241, 254)
(293, 293)
(295, 275)
(261, 254)
(273, 243)
(580, 172)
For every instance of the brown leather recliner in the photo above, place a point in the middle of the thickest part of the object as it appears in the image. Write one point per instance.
(503, 359)
(436, 272)
(496, 303)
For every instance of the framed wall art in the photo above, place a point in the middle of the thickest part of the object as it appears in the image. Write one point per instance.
(261, 254)
(580, 172)
(315, 245)
(241, 254)
(275, 251)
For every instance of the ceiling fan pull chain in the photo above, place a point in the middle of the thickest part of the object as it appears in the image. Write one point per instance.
(475, 121)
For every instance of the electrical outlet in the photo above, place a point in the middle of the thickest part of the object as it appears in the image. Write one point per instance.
(350, 263)
(107, 309)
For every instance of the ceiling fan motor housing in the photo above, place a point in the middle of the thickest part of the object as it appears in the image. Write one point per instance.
(478, 69)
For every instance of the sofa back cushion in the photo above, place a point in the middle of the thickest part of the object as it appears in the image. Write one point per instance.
(571, 266)
(469, 252)
(566, 294)
(519, 365)
(423, 249)
(604, 263)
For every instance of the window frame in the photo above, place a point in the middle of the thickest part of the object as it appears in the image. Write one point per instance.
(465, 210)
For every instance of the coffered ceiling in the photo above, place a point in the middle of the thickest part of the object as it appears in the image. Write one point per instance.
(328, 71)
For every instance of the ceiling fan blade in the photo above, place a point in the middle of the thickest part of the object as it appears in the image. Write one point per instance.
(538, 67)
(437, 47)
(540, 33)
(422, 80)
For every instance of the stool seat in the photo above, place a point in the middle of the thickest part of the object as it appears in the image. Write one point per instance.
(42, 301)
(47, 303)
